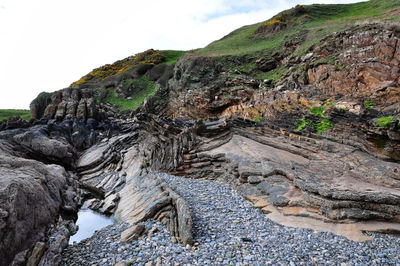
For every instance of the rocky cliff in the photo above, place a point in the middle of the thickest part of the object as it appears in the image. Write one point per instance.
(108, 90)
(301, 117)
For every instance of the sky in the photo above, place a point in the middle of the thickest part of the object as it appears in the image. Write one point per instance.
(45, 45)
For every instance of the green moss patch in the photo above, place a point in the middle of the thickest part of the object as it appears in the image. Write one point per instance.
(384, 121)
(369, 104)
(322, 125)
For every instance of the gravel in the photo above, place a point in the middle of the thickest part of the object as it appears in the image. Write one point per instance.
(228, 231)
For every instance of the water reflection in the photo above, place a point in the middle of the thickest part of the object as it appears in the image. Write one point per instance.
(88, 222)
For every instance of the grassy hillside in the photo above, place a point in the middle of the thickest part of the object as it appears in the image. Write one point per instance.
(6, 113)
(317, 19)
(171, 56)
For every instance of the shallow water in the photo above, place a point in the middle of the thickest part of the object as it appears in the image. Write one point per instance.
(88, 222)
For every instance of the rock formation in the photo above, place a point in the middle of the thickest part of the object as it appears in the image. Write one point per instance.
(315, 145)
(39, 192)
(278, 171)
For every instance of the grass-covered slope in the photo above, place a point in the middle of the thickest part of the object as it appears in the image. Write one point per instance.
(171, 56)
(147, 88)
(318, 20)
(6, 113)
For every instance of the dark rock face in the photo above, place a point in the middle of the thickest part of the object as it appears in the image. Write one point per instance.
(32, 195)
(38, 196)
(38, 105)
(201, 88)
(13, 122)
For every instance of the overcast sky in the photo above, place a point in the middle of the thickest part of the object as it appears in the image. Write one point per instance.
(45, 45)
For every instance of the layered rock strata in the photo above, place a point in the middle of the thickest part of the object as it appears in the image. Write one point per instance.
(117, 171)
(345, 72)
(314, 179)
(288, 174)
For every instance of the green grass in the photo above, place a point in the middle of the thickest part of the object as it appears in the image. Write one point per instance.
(256, 119)
(171, 56)
(369, 104)
(325, 19)
(320, 126)
(301, 124)
(384, 121)
(127, 83)
(148, 88)
(6, 113)
(274, 75)
(317, 111)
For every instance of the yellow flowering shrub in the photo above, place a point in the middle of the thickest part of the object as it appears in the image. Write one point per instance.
(151, 57)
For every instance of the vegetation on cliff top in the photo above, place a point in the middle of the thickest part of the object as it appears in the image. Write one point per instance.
(171, 56)
(318, 20)
(6, 113)
(140, 63)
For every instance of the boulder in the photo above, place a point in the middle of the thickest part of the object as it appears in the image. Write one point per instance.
(132, 233)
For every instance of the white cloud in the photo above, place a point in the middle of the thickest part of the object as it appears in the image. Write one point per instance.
(46, 45)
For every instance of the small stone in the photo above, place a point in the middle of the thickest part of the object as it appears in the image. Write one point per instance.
(255, 179)
(152, 231)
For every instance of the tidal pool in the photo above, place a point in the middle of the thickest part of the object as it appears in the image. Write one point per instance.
(88, 222)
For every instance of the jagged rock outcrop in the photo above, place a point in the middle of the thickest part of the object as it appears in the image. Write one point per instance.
(85, 98)
(39, 191)
(13, 123)
(367, 65)
(117, 171)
